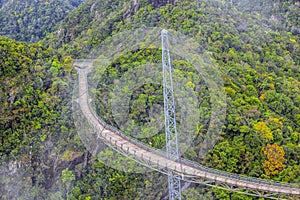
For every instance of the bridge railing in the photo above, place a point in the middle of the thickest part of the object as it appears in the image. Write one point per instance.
(192, 164)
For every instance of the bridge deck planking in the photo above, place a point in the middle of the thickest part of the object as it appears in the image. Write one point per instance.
(183, 170)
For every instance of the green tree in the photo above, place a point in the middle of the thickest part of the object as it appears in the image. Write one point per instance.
(67, 178)
(264, 131)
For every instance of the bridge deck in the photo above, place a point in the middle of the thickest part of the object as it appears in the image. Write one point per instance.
(184, 170)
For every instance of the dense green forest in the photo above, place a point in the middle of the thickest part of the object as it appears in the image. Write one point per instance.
(32, 20)
(256, 50)
(280, 15)
(34, 81)
(35, 98)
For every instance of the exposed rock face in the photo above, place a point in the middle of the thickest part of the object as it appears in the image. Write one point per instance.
(133, 8)
(19, 179)
(12, 180)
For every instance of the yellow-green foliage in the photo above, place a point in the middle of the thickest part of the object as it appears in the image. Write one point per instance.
(275, 159)
(264, 130)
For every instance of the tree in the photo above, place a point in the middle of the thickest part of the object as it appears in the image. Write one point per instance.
(275, 159)
(67, 178)
(264, 130)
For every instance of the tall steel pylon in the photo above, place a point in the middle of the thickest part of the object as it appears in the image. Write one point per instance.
(170, 120)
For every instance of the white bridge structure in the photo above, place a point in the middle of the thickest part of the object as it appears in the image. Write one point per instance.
(184, 169)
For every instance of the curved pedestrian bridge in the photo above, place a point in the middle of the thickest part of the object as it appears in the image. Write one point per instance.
(183, 169)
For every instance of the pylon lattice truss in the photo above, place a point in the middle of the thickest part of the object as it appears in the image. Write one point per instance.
(170, 119)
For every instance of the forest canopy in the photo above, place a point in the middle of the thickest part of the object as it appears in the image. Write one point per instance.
(256, 49)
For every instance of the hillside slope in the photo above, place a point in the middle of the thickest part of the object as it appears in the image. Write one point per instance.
(280, 15)
(35, 98)
(31, 20)
(257, 52)
(259, 62)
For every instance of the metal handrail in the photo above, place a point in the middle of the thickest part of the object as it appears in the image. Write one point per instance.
(189, 162)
